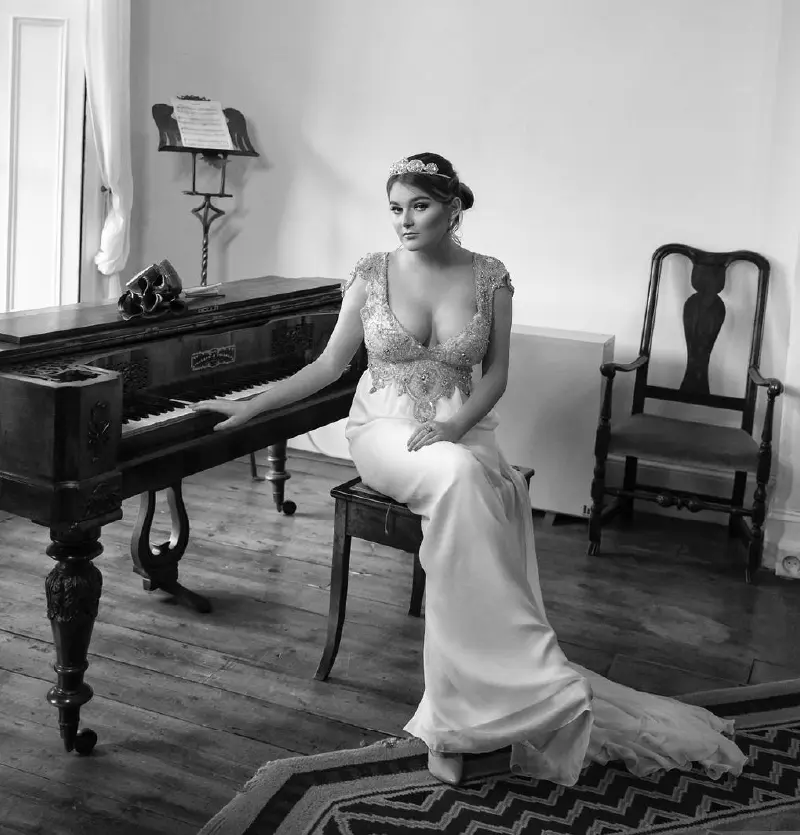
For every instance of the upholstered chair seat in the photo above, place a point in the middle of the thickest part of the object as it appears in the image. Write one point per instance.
(656, 438)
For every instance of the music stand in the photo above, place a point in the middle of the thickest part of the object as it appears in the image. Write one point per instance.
(215, 136)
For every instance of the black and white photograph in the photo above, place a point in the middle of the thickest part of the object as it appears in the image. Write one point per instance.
(399, 414)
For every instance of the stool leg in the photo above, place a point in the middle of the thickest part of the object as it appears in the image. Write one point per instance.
(417, 588)
(254, 469)
(340, 572)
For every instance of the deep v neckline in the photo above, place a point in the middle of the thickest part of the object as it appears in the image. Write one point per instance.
(407, 332)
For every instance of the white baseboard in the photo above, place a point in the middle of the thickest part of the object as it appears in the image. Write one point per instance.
(782, 542)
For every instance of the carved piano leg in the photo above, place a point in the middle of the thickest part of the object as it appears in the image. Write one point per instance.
(73, 591)
(159, 565)
(276, 455)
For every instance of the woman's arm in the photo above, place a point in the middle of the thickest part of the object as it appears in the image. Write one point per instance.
(326, 369)
(489, 389)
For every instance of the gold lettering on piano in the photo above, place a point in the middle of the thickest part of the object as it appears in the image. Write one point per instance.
(212, 357)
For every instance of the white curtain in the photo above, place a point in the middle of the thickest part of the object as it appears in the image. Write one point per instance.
(107, 47)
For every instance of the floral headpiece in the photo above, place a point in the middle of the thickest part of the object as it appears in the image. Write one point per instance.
(415, 166)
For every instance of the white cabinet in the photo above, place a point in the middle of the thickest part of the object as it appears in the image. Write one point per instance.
(548, 414)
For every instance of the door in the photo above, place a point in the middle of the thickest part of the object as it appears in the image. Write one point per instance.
(41, 151)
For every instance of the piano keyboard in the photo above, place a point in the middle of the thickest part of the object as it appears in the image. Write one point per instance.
(171, 411)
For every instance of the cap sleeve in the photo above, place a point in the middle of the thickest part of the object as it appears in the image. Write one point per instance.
(493, 276)
(497, 276)
(364, 269)
(503, 280)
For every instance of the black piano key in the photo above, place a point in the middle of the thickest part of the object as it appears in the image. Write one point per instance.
(147, 405)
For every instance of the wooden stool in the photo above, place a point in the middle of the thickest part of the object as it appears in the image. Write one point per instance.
(367, 514)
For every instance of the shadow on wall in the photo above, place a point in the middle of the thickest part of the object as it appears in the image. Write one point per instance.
(322, 198)
(240, 170)
(274, 105)
(224, 229)
(275, 117)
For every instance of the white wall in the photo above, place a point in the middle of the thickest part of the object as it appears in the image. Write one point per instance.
(590, 133)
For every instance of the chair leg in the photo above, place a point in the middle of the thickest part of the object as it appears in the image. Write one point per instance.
(598, 494)
(602, 442)
(598, 497)
(754, 555)
(340, 572)
(737, 500)
(629, 483)
(417, 588)
(254, 469)
(756, 547)
(755, 551)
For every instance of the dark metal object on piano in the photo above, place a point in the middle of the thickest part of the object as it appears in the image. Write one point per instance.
(90, 415)
(153, 293)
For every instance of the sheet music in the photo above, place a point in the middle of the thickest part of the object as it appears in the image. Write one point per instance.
(202, 124)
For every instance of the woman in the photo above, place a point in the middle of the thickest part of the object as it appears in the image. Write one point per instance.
(422, 431)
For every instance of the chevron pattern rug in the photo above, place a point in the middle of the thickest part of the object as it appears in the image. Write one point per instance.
(385, 789)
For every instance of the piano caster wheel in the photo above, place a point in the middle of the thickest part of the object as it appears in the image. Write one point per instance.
(85, 740)
(288, 507)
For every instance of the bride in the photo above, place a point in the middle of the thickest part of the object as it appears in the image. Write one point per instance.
(422, 431)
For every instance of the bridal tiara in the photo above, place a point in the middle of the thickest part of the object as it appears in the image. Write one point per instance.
(415, 166)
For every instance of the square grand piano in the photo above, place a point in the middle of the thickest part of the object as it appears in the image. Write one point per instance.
(92, 412)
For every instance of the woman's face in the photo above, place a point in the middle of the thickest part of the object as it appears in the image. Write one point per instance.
(419, 220)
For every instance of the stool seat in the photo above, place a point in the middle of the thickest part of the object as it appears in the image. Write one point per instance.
(367, 514)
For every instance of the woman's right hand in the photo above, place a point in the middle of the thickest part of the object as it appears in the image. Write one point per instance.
(236, 412)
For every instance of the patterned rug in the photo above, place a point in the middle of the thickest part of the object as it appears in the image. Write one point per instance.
(385, 789)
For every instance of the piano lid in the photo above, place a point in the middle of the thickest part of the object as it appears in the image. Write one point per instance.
(26, 327)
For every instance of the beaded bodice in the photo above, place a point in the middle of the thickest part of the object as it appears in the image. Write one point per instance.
(396, 356)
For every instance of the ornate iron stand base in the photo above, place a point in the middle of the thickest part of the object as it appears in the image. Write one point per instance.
(158, 565)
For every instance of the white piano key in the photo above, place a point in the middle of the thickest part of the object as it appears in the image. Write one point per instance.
(184, 412)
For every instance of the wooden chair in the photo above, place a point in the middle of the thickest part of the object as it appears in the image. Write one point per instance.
(664, 439)
(369, 515)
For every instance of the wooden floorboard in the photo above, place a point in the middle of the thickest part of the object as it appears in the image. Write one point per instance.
(188, 706)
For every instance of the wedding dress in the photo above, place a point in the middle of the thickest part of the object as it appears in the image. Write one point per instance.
(494, 672)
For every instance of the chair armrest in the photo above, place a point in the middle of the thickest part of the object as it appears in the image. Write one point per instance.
(772, 384)
(609, 369)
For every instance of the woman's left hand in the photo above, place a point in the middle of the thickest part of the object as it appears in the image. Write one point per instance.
(432, 431)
